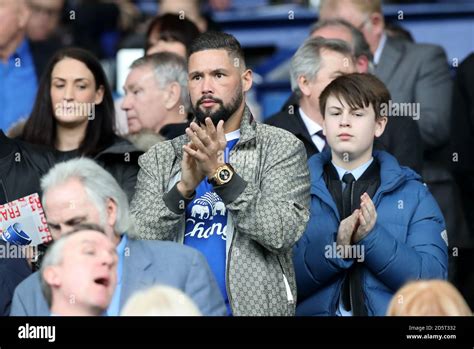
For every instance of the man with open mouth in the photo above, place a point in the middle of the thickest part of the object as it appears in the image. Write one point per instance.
(79, 273)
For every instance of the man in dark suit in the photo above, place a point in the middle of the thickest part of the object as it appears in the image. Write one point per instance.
(80, 191)
(401, 137)
(462, 145)
(413, 73)
(315, 64)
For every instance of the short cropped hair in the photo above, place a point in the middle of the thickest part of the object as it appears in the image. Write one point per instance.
(428, 298)
(358, 90)
(212, 40)
(167, 68)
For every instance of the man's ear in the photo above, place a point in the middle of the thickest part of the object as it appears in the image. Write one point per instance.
(362, 64)
(173, 95)
(247, 80)
(377, 22)
(324, 127)
(303, 84)
(52, 276)
(380, 124)
(111, 212)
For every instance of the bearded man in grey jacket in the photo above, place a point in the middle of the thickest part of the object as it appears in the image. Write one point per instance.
(234, 189)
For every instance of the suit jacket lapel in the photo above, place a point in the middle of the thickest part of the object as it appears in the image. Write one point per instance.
(392, 53)
(298, 128)
(135, 265)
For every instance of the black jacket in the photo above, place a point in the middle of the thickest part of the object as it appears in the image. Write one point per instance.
(12, 272)
(401, 137)
(22, 166)
(120, 159)
(462, 135)
(294, 124)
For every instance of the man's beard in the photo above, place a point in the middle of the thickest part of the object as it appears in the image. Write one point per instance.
(224, 112)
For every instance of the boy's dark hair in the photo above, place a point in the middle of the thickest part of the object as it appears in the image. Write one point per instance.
(358, 90)
(212, 40)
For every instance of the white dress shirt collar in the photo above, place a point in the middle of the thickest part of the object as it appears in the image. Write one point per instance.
(378, 51)
(313, 127)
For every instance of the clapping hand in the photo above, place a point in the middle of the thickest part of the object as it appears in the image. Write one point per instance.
(208, 145)
(202, 155)
(367, 218)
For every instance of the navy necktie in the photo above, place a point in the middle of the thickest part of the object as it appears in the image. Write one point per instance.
(348, 179)
(323, 137)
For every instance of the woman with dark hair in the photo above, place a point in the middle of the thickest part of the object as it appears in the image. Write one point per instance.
(171, 33)
(74, 114)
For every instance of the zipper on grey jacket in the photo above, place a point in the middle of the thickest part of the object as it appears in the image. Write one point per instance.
(227, 284)
(289, 294)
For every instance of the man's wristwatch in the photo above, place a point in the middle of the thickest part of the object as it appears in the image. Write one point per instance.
(222, 175)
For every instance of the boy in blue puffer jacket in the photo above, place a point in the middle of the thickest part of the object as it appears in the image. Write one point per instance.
(374, 225)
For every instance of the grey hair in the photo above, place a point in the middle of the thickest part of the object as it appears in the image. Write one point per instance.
(99, 185)
(54, 256)
(360, 47)
(307, 59)
(168, 67)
